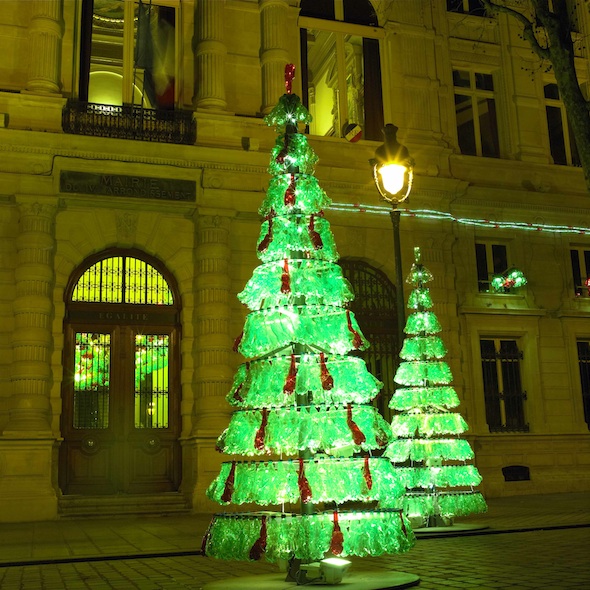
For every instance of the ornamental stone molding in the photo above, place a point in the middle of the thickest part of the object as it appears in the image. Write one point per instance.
(45, 40)
(213, 370)
(32, 342)
(274, 54)
(210, 52)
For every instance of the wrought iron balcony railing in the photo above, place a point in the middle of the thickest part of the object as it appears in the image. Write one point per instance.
(129, 122)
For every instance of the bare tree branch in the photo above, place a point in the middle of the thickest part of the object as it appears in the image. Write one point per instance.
(528, 26)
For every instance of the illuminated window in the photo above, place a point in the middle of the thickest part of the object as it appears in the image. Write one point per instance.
(475, 110)
(491, 259)
(151, 380)
(122, 279)
(584, 365)
(475, 7)
(341, 69)
(561, 140)
(128, 53)
(504, 397)
(581, 271)
(92, 369)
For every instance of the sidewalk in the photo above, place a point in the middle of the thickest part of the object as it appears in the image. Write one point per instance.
(531, 542)
(178, 535)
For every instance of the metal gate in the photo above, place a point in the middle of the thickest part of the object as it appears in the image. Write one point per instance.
(375, 310)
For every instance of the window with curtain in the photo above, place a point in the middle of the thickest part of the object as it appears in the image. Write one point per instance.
(341, 68)
(475, 111)
(561, 140)
(580, 259)
(128, 53)
(491, 259)
(504, 396)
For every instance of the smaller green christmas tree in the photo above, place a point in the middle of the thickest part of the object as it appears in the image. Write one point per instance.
(439, 480)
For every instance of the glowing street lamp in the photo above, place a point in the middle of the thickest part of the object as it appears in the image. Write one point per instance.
(393, 172)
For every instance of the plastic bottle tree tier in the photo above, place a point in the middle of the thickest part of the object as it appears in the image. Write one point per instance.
(439, 479)
(303, 422)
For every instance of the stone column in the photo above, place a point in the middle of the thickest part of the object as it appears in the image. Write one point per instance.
(213, 372)
(273, 52)
(45, 36)
(32, 342)
(210, 51)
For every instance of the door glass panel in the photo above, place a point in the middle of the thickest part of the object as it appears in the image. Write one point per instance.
(92, 368)
(151, 380)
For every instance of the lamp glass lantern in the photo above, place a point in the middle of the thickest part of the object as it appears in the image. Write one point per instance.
(393, 168)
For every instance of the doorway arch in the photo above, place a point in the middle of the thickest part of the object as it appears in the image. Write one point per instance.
(374, 307)
(120, 418)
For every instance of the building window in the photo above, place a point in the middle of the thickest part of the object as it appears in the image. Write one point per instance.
(584, 364)
(581, 271)
(341, 69)
(561, 140)
(128, 53)
(475, 109)
(504, 397)
(122, 279)
(475, 7)
(491, 260)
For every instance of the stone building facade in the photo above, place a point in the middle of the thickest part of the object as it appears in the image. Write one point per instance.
(133, 160)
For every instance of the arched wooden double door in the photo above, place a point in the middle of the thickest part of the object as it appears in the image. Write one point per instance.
(121, 389)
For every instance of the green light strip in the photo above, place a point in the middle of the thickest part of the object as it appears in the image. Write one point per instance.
(442, 216)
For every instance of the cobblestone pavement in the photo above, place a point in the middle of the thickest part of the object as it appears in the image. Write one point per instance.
(532, 542)
(543, 559)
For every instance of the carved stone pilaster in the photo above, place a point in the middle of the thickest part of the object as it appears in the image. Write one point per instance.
(33, 314)
(45, 38)
(210, 51)
(273, 52)
(212, 312)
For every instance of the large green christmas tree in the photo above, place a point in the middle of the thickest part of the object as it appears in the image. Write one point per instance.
(303, 417)
(433, 458)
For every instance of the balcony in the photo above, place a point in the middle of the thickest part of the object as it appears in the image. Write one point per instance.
(129, 122)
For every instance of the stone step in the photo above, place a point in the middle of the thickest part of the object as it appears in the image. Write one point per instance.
(72, 506)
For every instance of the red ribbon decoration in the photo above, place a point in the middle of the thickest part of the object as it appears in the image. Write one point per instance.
(291, 379)
(289, 75)
(289, 198)
(259, 546)
(268, 237)
(304, 487)
(261, 432)
(357, 341)
(314, 236)
(337, 542)
(367, 474)
(286, 278)
(237, 342)
(325, 377)
(228, 490)
(357, 436)
(237, 395)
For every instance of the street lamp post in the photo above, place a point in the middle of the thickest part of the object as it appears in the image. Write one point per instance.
(393, 172)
